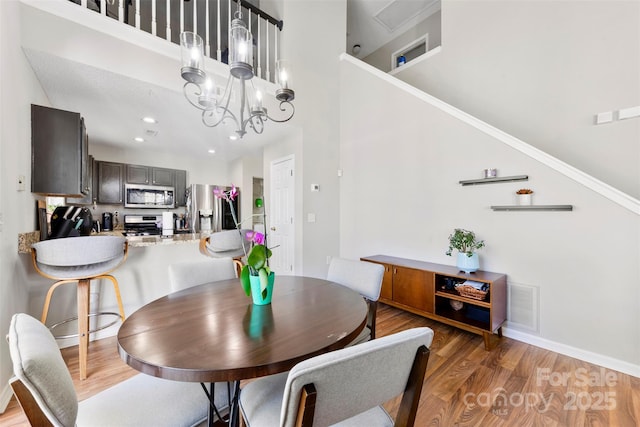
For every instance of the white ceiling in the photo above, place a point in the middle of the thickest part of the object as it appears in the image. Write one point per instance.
(367, 30)
(113, 104)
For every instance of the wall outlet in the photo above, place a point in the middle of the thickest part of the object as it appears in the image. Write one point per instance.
(21, 180)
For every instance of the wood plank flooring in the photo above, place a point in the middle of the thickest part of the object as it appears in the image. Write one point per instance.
(514, 384)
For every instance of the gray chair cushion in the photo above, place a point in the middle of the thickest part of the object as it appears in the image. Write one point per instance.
(142, 400)
(79, 257)
(228, 243)
(351, 383)
(185, 274)
(361, 276)
(37, 362)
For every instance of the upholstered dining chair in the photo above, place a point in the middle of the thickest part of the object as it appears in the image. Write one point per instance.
(345, 387)
(185, 274)
(226, 244)
(44, 388)
(364, 278)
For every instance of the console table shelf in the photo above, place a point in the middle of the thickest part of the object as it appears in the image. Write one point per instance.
(495, 180)
(427, 289)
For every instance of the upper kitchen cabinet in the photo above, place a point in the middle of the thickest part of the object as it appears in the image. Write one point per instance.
(181, 187)
(90, 196)
(59, 153)
(149, 175)
(110, 188)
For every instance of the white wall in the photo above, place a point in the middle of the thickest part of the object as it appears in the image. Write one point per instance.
(18, 89)
(400, 196)
(381, 58)
(313, 46)
(541, 70)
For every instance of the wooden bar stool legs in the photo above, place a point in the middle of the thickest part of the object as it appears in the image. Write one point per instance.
(84, 310)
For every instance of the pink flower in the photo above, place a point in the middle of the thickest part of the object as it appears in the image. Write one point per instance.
(255, 236)
(226, 195)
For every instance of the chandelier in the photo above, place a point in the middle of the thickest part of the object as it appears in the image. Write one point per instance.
(200, 88)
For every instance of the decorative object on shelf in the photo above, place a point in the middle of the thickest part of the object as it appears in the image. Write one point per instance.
(465, 242)
(473, 290)
(490, 173)
(456, 305)
(523, 196)
(256, 277)
(200, 89)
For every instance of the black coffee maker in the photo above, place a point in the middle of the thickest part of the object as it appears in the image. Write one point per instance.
(107, 221)
(69, 221)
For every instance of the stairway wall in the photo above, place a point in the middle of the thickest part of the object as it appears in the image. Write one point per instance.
(540, 71)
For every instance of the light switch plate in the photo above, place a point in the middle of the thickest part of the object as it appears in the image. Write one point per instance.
(606, 117)
(628, 113)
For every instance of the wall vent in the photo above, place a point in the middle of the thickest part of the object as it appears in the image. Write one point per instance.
(523, 307)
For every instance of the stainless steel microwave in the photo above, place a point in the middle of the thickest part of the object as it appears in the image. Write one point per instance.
(149, 196)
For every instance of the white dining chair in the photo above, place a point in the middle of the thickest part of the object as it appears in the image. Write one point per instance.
(44, 388)
(364, 278)
(185, 274)
(345, 387)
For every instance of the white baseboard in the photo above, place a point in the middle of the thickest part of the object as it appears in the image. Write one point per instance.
(567, 350)
(5, 397)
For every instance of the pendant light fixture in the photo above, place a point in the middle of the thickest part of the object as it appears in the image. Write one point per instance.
(200, 88)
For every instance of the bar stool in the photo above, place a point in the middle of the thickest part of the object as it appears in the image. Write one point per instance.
(226, 244)
(80, 260)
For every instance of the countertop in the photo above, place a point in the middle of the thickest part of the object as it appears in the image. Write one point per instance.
(25, 240)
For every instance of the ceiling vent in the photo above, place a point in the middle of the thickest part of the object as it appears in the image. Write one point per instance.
(398, 12)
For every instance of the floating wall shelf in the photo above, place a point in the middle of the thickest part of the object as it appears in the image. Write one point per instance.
(533, 208)
(495, 180)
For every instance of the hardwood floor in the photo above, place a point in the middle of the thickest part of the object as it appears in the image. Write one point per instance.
(513, 384)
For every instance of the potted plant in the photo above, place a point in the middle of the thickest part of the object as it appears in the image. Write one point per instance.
(466, 243)
(523, 196)
(256, 276)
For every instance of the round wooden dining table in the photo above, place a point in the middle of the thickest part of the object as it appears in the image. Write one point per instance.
(214, 333)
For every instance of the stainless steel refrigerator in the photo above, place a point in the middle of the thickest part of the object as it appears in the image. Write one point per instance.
(206, 213)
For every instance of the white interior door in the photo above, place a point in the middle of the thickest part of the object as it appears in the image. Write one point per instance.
(281, 227)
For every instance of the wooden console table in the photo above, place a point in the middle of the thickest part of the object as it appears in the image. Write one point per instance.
(425, 289)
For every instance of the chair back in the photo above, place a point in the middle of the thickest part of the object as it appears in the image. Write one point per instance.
(78, 257)
(361, 276)
(42, 382)
(185, 274)
(225, 244)
(347, 382)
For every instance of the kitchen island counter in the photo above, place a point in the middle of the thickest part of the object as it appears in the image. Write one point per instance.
(25, 240)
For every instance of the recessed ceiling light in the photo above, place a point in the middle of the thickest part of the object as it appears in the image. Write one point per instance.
(138, 139)
(233, 137)
(212, 151)
(149, 120)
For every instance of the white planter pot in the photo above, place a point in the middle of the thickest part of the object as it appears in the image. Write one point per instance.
(523, 199)
(468, 264)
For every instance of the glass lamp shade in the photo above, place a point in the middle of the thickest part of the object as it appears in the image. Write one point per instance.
(207, 97)
(192, 50)
(283, 79)
(241, 50)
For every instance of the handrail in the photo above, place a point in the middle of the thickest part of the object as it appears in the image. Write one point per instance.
(263, 14)
(623, 199)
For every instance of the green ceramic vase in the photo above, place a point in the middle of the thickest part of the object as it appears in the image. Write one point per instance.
(256, 295)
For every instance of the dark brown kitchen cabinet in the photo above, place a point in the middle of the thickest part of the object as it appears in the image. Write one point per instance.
(90, 196)
(149, 175)
(110, 188)
(137, 174)
(180, 187)
(59, 153)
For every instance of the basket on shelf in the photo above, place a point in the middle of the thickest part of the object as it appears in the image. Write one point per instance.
(471, 292)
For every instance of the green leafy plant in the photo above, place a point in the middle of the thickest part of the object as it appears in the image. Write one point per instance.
(257, 264)
(464, 241)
